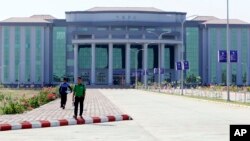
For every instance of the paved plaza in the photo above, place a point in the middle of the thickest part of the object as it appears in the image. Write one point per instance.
(156, 117)
(95, 105)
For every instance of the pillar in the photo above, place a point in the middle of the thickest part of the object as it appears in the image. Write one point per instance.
(162, 60)
(93, 64)
(110, 74)
(75, 62)
(145, 63)
(127, 75)
(177, 57)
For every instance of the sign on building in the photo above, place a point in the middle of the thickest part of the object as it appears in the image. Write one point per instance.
(185, 65)
(222, 56)
(178, 66)
(233, 56)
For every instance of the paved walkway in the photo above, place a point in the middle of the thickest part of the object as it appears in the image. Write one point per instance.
(241, 96)
(156, 117)
(96, 104)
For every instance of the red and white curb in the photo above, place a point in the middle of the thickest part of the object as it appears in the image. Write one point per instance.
(62, 122)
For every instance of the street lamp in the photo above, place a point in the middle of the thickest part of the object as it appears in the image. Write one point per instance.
(159, 64)
(136, 56)
(183, 49)
(228, 53)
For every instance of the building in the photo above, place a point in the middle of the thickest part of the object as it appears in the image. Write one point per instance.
(108, 45)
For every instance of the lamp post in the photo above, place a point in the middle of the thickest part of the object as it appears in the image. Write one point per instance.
(136, 64)
(183, 49)
(159, 64)
(228, 53)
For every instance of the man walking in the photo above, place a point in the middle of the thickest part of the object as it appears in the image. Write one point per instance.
(78, 96)
(63, 90)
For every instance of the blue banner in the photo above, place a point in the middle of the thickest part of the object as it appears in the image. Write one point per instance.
(233, 56)
(178, 66)
(222, 56)
(156, 71)
(185, 65)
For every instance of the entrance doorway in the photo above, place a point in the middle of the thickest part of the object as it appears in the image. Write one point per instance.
(119, 80)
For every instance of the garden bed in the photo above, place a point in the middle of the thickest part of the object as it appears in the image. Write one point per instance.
(19, 101)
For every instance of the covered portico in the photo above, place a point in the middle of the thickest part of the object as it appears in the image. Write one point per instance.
(127, 44)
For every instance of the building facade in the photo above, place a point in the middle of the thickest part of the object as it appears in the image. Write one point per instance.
(107, 46)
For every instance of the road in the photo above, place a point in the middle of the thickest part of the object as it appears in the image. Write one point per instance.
(157, 117)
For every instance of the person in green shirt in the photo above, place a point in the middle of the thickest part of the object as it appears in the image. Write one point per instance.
(78, 96)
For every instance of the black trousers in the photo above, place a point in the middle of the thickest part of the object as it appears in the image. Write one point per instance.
(79, 100)
(63, 99)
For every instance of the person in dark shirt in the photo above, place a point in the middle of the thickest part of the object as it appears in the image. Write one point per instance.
(63, 90)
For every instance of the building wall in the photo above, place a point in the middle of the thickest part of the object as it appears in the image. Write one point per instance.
(23, 54)
(239, 40)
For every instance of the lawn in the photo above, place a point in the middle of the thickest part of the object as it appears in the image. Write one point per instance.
(19, 93)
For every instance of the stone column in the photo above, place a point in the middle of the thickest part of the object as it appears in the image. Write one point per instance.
(162, 60)
(110, 74)
(93, 64)
(145, 63)
(127, 64)
(75, 62)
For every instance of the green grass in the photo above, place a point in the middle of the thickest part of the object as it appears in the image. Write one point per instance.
(19, 93)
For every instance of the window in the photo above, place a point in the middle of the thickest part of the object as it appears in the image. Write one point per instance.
(134, 29)
(59, 53)
(27, 54)
(192, 51)
(102, 28)
(17, 52)
(39, 52)
(6, 54)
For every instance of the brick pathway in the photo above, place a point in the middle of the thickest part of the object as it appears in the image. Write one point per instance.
(96, 104)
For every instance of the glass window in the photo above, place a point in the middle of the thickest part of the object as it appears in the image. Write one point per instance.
(192, 50)
(17, 52)
(101, 56)
(39, 52)
(244, 50)
(134, 29)
(213, 54)
(150, 29)
(27, 54)
(6, 54)
(59, 53)
(84, 57)
(102, 28)
(167, 58)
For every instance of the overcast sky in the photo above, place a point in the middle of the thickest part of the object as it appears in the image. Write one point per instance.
(239, 9)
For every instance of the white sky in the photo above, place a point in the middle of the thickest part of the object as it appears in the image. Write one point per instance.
(20, 8)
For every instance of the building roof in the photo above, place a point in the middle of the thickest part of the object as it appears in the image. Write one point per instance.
(31, 19)
(224, 21)
(145, 9)
(124, 9)
(204, 18)
(45, 17)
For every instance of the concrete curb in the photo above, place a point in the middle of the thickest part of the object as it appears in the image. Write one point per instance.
(62, 122)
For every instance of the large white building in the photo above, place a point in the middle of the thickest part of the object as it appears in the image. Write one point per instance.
(107, 45)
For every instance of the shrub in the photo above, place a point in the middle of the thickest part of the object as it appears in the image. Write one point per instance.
(1, 97)
(13, 108)
(51, 97)
(34, 102)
